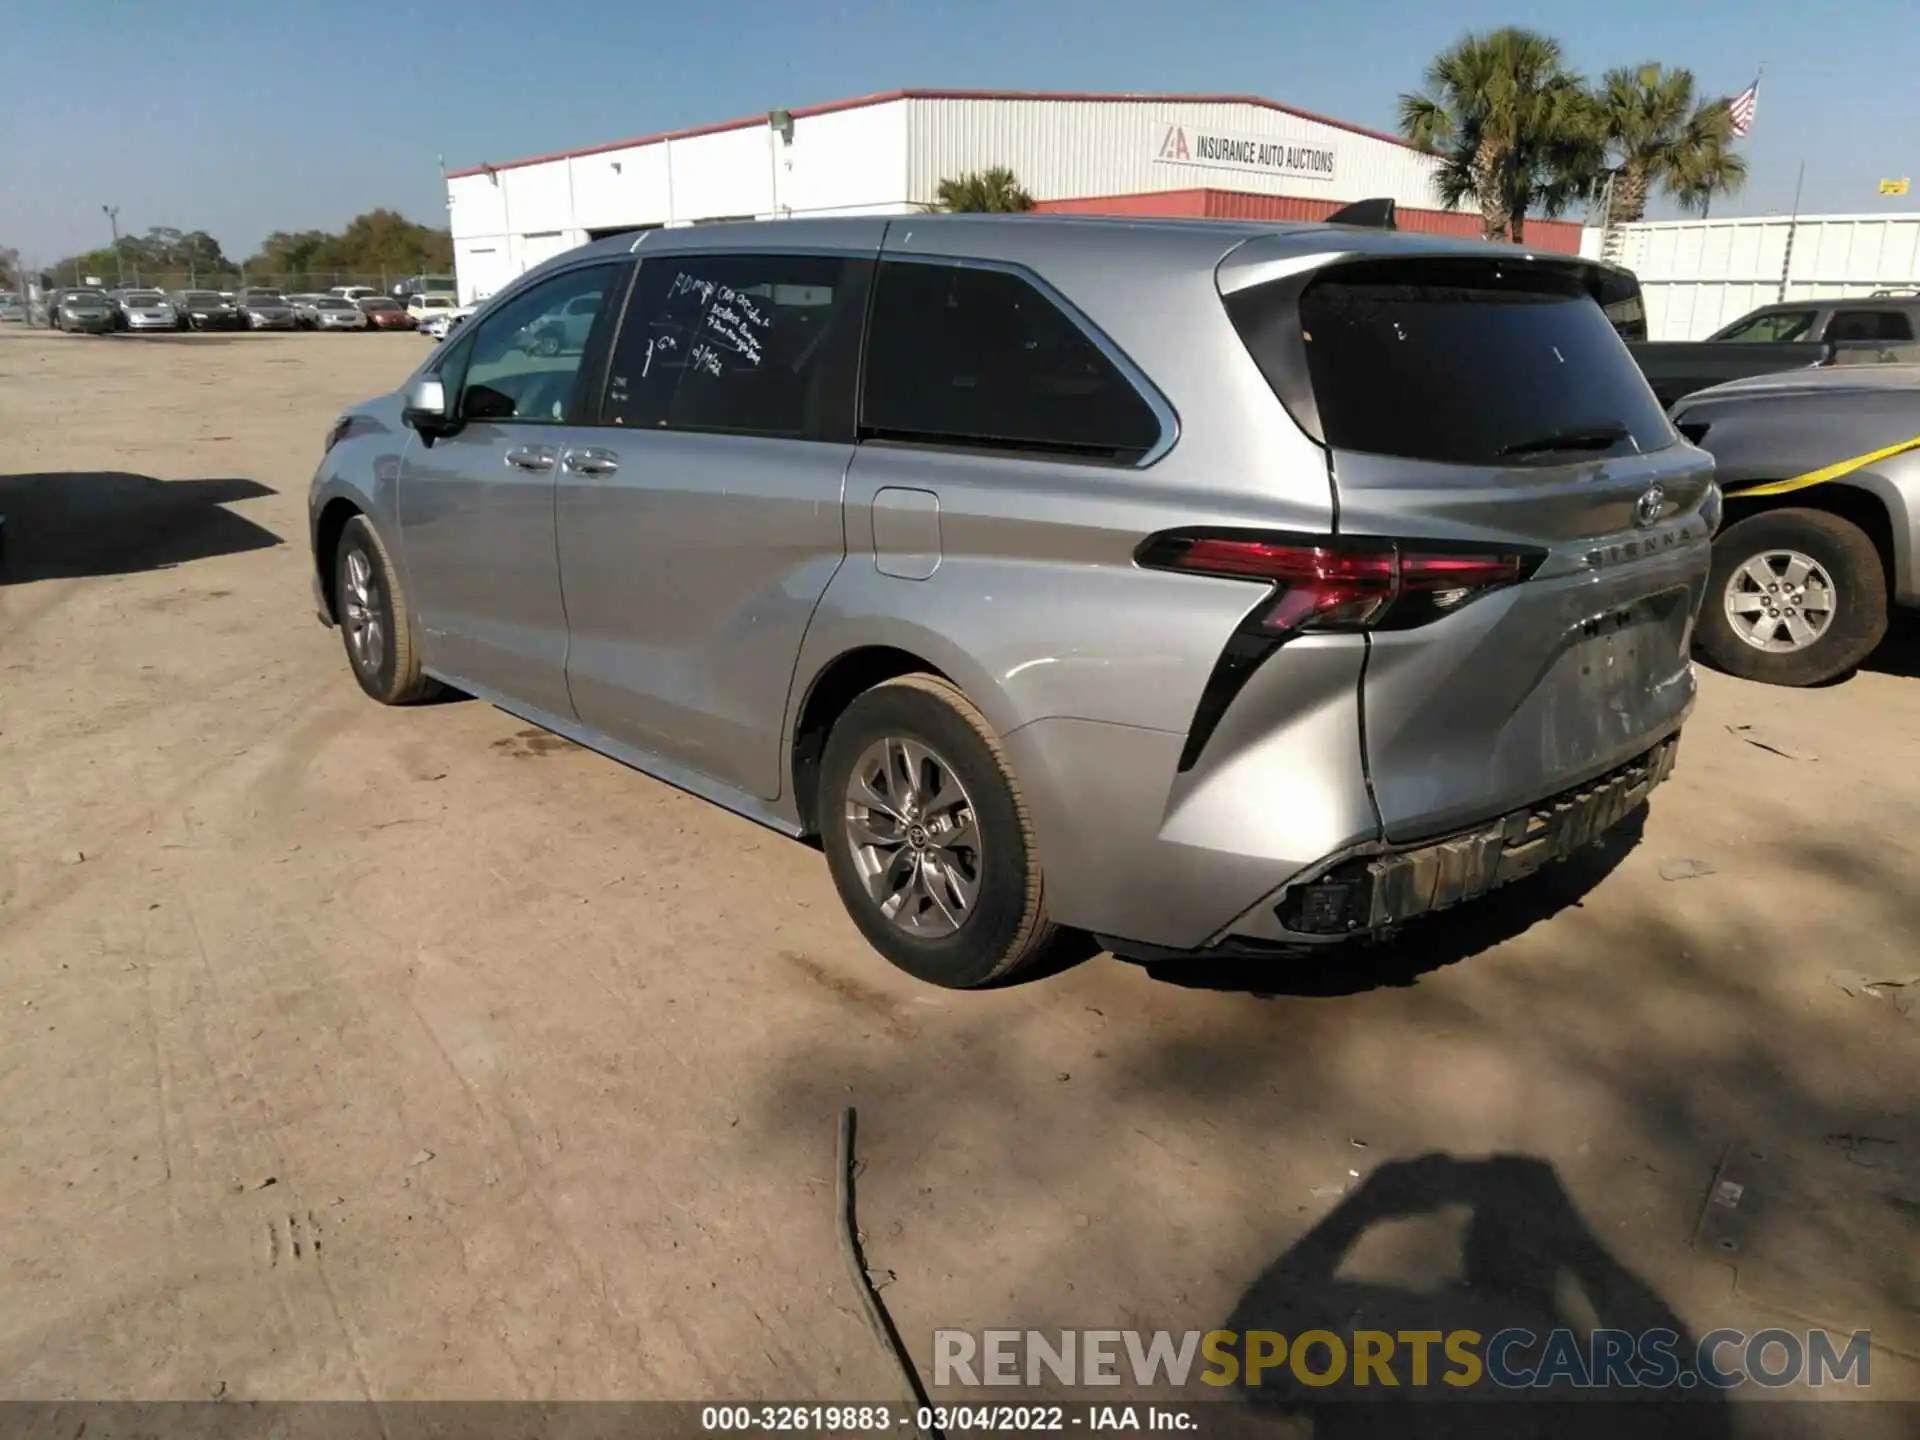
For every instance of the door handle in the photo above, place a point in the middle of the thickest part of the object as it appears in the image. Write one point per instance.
(591, 461)
(530, 457)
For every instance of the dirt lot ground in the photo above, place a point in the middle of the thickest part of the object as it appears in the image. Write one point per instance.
(413, 1054)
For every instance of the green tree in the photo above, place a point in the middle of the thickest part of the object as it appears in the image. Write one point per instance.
(1654, 132)
(1707, 165)
(1512, 127)
(994, 191)
(380, 241)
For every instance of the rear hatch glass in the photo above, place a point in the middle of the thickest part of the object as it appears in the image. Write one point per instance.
(1477, 366)
(1468, 405)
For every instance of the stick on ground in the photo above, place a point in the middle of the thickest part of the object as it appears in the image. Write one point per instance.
(878, 1320)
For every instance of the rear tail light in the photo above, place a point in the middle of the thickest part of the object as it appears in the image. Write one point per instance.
(1363, 584)
(1323, 584)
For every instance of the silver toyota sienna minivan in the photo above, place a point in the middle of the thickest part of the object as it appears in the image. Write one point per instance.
(1198, 586)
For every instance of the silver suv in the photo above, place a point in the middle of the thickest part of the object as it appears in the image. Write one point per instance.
(1198, 586)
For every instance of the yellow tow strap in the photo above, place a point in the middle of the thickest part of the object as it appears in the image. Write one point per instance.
(1826, 473)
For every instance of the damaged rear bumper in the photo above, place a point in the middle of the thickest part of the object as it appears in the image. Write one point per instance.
(1377, 892)
(1366, 893)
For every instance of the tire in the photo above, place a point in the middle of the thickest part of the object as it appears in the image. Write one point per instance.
(1856, 620)
(1007, 925)
(367, 589)
(546, 346)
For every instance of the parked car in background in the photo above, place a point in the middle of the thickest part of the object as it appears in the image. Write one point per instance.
(266, 310)
(1880, 329)
(206, 310)
(1048, 572)
(563, 330)
(355, 293)
(146, 310)
(445, 322)
(1821, 472)
(330, 312)
(424, 307)
(11, 307)
(385, 314)
(1884, 318)
(82, 310)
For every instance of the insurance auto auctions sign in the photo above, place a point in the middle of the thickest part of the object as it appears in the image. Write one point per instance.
(1262, 154)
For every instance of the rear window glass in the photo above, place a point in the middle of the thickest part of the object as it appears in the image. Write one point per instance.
(1466, 364)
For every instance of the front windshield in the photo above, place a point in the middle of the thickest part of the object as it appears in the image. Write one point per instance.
(202, 297)
(265, 297)
(332, 302)
(143, 297)
(378, 305)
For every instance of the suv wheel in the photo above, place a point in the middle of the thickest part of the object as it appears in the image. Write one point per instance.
(927, 835)
(373, 619)
(1796, 597)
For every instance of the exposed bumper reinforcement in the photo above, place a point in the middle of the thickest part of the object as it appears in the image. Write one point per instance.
(1374, 893)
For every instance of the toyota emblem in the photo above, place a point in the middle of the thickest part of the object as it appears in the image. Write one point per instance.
(1649, 507)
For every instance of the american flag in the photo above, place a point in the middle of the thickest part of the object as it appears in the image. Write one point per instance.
(1740, 109)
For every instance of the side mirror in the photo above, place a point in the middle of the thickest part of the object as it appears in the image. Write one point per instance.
(426, 409)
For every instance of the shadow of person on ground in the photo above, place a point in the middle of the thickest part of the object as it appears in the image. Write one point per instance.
(1441, 1245)
(1425, 945)
(108, 522)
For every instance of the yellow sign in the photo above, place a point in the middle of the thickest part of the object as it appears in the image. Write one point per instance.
(1895, 187)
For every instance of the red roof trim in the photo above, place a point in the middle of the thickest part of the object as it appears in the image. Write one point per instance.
(887, 97)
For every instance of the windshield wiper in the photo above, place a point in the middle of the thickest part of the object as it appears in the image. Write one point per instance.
(1575, 437)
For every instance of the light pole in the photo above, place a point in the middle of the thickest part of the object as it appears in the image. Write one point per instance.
(112, 212)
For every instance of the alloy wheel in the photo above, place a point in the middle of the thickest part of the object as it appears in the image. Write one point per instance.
(363, 614)
(914, 837)
(1780, 601)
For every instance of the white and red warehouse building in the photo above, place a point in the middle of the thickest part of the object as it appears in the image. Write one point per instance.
(1221, 156)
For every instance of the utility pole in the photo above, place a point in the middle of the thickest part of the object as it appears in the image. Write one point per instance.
(112, 212)
(1793, 223)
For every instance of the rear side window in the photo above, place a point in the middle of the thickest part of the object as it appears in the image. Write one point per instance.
(1463, 363)
(741, 345)
(959, 355)
(1869, 325)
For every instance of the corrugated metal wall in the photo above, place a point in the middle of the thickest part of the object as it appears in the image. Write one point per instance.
(1065, 148)
(1561, 236)
(888, 155)
(1700, 275)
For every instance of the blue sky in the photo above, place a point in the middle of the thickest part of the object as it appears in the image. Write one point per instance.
(240, 118)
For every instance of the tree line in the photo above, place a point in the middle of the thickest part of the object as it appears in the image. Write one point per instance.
(380, 243)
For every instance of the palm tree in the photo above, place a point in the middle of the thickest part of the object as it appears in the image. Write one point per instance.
(1704, 163)
(1654, 132)
(1511, 125)
(994, 191)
